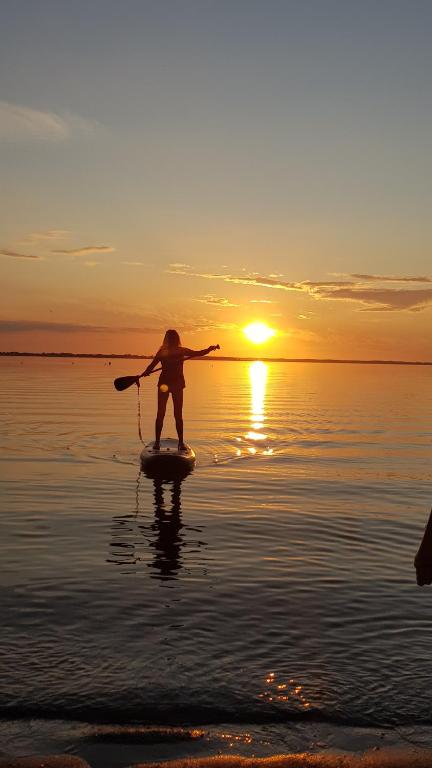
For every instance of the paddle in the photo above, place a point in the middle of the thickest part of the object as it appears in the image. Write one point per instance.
(124, 382)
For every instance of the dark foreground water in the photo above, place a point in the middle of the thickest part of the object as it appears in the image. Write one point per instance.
(275, 584)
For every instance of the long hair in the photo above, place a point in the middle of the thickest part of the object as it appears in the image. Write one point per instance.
(171, 339)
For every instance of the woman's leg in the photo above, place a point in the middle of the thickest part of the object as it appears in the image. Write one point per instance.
(177, 397)
(162, 402)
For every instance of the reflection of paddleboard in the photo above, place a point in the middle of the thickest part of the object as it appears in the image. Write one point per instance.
(168, 458)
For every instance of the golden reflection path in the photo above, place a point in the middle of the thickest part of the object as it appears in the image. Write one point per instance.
(258, 373)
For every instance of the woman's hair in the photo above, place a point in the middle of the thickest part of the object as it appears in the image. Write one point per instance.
(171, 339)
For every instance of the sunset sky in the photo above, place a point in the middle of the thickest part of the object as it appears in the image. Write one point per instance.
(204, 164)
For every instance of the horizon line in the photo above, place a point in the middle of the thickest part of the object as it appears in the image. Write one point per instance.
(221, 358)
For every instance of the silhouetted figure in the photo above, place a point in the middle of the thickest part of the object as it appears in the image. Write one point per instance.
(423, 558)
(167, 526)
(171, 381)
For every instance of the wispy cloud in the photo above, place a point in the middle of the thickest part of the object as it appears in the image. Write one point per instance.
(42, 326)
(25, 326)
(216, 301)
(48, 234)
(251, 279)
(383, 299)
(135, 263)
(311, 285)
(262, 301)
(392, 278)
(354, 290)
(21, 123)
(261, 281)
(85, 250)
(16, 255)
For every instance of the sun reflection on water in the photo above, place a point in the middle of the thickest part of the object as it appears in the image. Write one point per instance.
(258, 372)
(283, 691)
(234, 739)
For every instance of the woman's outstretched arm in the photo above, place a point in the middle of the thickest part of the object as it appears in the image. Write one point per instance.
(151, 365)
(199, 352)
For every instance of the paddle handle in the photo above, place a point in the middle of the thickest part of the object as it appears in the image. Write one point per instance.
(149, 374)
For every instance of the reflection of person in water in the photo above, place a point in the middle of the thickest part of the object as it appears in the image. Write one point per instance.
(158, 544)
(167, 525)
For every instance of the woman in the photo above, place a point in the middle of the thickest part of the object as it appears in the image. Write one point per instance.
(171, 356)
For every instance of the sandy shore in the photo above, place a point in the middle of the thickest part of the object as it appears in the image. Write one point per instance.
(65, 744)
(408, 758)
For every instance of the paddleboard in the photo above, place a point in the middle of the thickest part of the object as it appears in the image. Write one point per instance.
(168, 458)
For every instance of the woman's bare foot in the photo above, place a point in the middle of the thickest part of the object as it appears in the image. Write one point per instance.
(182, 447)
(156, 446)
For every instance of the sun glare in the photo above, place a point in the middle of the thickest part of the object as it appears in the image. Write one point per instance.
(258, 333)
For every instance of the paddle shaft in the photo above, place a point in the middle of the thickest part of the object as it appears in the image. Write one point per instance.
(153, 371)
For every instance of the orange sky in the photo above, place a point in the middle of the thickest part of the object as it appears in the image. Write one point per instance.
(204, 166)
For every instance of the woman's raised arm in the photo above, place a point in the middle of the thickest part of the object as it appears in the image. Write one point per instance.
(199, 352)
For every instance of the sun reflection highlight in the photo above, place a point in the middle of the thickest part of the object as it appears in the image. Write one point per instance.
(234, 739)
(254, 440)
(284, 691)
(258, 380)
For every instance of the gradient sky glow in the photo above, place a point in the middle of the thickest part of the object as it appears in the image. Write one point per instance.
(204, 164)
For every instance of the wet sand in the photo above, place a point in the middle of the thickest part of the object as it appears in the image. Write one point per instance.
(408, 758)
(318, 746)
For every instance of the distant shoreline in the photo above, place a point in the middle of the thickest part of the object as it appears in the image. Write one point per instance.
(219, 358)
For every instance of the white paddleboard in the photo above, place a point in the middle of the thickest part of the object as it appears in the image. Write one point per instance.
(168, 457)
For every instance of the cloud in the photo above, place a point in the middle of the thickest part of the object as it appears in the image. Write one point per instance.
(217, 301)
(135, 263)
(20, 123)
(42, 326)
(15, 255)
(262, 301)
(85, 251)
(30, 326)
(309, 285)
(383, 299)
(379, 299)
(261, 280)
(392, 278)
(49, 234)
(253, 279)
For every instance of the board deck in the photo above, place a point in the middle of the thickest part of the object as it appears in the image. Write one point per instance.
(168, 458)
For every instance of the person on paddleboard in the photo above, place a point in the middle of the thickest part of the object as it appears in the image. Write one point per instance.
(171, 381)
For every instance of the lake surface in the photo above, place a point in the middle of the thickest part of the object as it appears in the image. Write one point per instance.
(273, 584)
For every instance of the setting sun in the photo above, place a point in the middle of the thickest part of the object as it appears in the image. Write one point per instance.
(258, 333)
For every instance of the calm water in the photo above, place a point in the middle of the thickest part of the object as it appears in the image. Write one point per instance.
(275, 582)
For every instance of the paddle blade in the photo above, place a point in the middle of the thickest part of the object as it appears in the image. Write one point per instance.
(123, 382)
